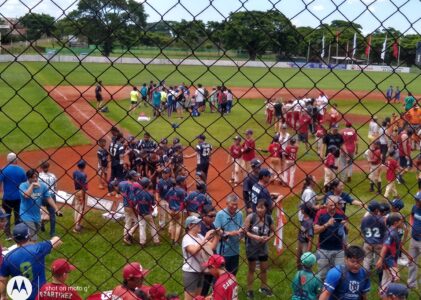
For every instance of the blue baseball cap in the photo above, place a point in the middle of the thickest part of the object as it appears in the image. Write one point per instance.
(397, 203)
(145, 182)
(264, 172)
(180, 179)
(373, 205)
(21, 232)
(397, 289)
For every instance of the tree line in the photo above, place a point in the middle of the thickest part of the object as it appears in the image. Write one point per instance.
(123, 23)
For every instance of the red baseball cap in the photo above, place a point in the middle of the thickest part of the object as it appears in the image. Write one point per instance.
(61, 266)
(134, 270)
(348, 124)
(215, 261)
(157, 292)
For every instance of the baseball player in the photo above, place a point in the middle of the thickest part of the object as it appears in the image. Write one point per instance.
(98, 95)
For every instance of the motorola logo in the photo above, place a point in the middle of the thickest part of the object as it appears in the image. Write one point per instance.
(19, 288)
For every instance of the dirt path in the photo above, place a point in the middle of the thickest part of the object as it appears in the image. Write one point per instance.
(122, 92)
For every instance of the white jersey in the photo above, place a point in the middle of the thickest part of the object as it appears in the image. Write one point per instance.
(50, 180)
(321, 103)
(373, 128)
(200, 95)
(284, 140)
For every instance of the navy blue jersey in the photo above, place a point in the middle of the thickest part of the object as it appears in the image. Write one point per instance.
(102, 155)
(260, 192)
(195, 201)
(345, 285)
(144, 202)
(393, 244)
(116, 153)
(128, 190)
(148, 146)
(248, 183)
(333, 237)
(175, 198)
(163, 186)
(80, 180)
(373, 229)
(204, 228)
(204, 151)
(416, 226)
(306, 230)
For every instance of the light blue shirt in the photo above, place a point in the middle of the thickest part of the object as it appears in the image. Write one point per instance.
(30, 207)
(228, 222)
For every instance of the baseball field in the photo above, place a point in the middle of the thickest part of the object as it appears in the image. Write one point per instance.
(47, 111)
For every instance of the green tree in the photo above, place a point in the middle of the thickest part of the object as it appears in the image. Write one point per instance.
(190, 34)
(38, 25)
(258, 31)
(106, 22)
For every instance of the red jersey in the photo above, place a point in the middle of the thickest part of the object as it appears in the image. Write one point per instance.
(304, 121)
(320, 131)
(225, 288)
(275, 150)
(350, 139)
(404, 150)
(122, 293)
(291, 152)
(376, 157)
(330, 160)
(57, 291)
(248, 150)
(235, 151)
(392, 167)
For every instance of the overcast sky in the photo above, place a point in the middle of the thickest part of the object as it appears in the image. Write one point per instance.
(371, 14)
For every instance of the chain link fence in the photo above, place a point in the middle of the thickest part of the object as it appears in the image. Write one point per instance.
(141, 137)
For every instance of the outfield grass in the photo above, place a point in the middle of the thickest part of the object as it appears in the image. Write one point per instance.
(99, 253)
(29, 119)
(121, 74)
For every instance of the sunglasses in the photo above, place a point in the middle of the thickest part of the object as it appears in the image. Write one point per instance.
(211, 216)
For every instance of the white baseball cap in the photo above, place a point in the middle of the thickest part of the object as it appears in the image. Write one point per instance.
(11, 157)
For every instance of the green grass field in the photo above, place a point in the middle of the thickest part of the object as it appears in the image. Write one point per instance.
(30, 120)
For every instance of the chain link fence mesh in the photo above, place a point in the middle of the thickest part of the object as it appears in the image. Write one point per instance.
(129, 118)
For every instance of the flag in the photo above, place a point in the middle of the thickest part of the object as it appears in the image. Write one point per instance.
(368, 48)
(383, 54)
(323, 47)
(337, 36)
(395, 49)
(354, 46)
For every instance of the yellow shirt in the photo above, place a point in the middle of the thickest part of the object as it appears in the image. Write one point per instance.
(134, 95)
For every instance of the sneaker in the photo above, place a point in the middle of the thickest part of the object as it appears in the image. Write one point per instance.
(265, 291)
(250, 295)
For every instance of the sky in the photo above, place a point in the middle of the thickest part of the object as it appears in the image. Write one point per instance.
(403, 15)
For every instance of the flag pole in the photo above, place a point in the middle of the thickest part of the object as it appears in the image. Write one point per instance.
(328, 56)
(337, 47)
(399, 53)
(308, 51)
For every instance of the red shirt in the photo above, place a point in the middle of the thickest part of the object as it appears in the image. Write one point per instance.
(248, 150)
(376, 157)
(126, 294)
(320, 131)
(404, 150)
(350, 139)
(275, 150)
(291, 152)
(57, 291)
(392, 167)
(304, 121)
(225, 287)
(235, 151)
(330, 160)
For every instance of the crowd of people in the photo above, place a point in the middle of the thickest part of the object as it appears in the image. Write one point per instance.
(179, 100)
(150, 176)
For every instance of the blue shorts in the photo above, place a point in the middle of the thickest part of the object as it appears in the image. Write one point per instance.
(404, 162)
